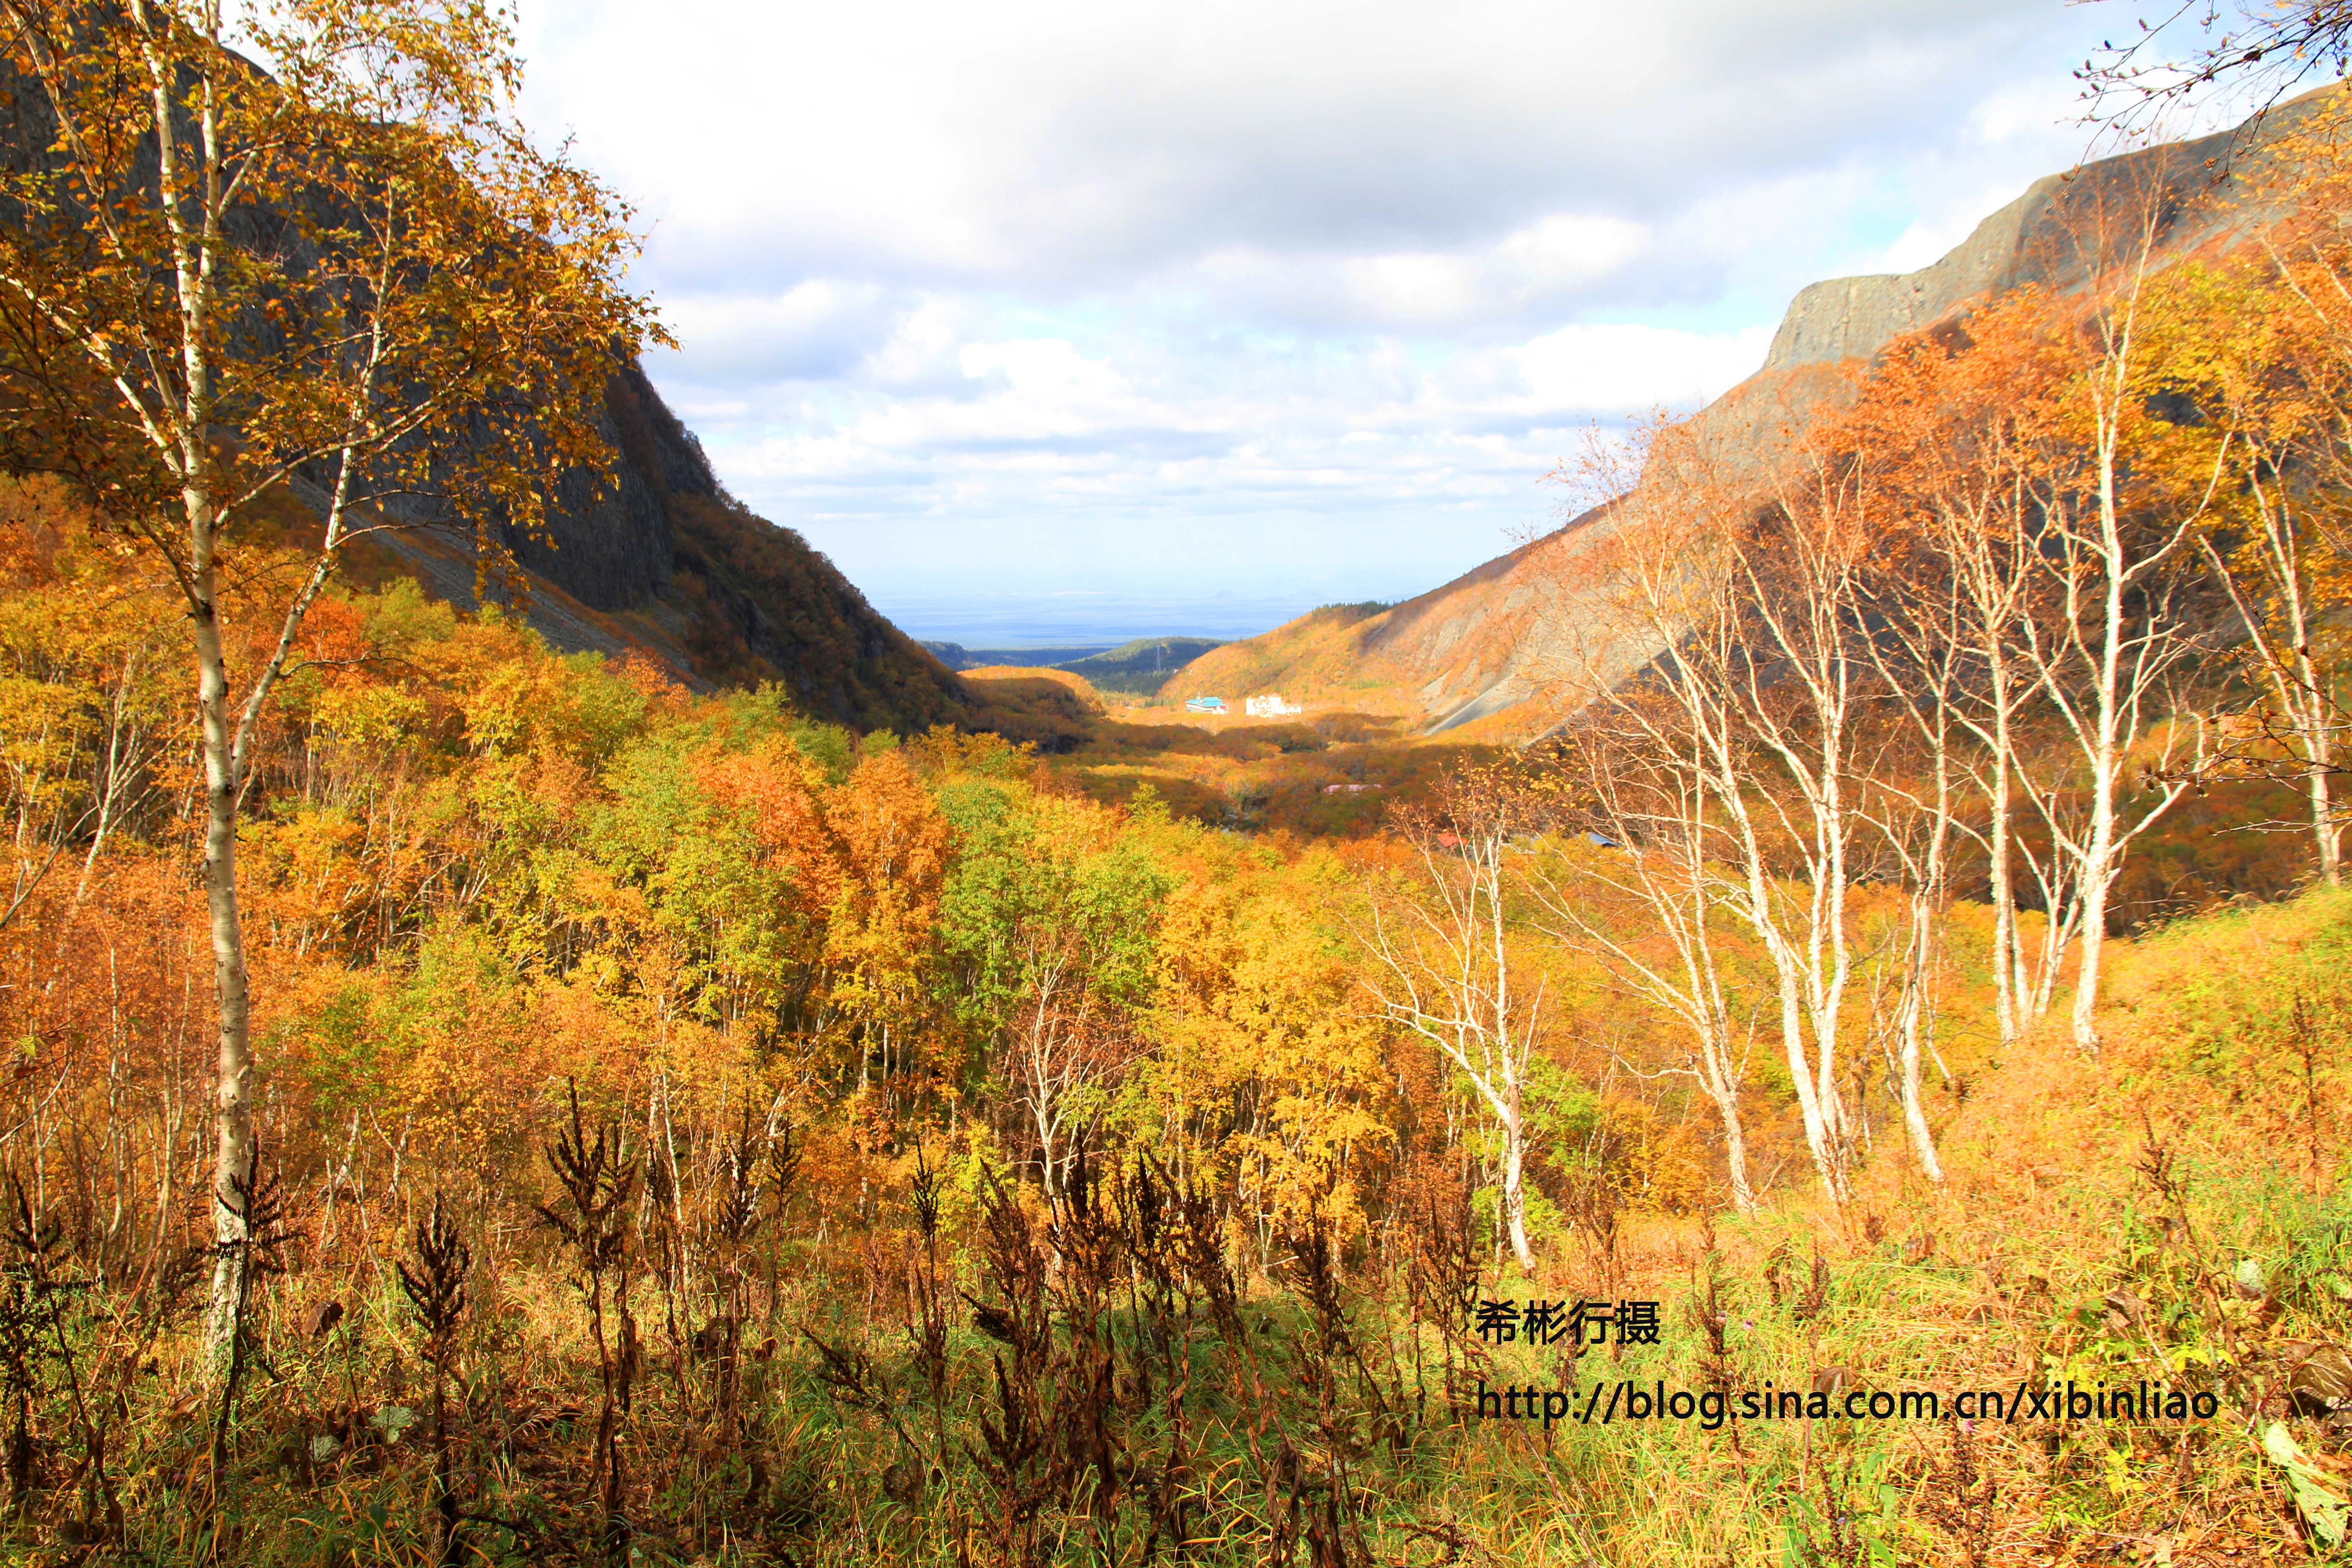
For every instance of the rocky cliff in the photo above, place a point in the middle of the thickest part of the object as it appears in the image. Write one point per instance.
(2063, 232)
(1481, 650)
(652, 555)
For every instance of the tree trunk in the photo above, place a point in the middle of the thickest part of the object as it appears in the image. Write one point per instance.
(2086, 978)
(233, 1162)
(2098, 875)
(1821, 1135)
(1914, 1109)
(1049, 1177)
(2318, 738)
(2008, 972)
(2322, 828)
(1726, 1096)
(1515, 1193)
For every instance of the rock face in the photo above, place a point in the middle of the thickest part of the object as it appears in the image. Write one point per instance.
(609, 542)
(2062, 233)
(609, 553)
(1478, 651)
(752, 601)
(653, 556)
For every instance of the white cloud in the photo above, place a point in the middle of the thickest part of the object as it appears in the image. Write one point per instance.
(1055, 140)
(1611, 370)
(1054, 296)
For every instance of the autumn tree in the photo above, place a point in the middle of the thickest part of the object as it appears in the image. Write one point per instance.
(2254, 362)
(2252, 403)
(1750, 711)
(2257, 50)
(1265, 1074)
(1628, 887)
(1052, 918)
(882, 931)
(83, 708)
(2114, 548)
(1955, 431)
(1443, 966)
(355, 277)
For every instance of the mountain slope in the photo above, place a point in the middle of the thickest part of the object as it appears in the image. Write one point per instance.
(1483, 648)
(759, 602)
(658, 559)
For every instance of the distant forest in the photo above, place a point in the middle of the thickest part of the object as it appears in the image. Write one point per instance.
(1139, 666)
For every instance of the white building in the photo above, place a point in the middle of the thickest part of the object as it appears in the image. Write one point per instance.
(1270, 706)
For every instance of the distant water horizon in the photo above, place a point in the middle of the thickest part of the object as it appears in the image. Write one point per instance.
(1063, 620)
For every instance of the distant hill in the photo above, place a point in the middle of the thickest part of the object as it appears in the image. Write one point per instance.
(1320, 652)
(957, 656)
(662, 560)
(1137, 667)
(1477, 650)
(1046, 708)
(1140, 668)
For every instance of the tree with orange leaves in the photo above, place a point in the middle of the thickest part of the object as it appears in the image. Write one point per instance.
(1954, 432)
(882, 929)
(1751, 716)
(2254, 366)
(357, 277)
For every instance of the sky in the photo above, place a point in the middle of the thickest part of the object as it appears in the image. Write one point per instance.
(1051, 320)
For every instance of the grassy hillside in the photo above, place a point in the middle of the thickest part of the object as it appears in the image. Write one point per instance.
(1330, 774)
(2174, 1213)
(1318, 654)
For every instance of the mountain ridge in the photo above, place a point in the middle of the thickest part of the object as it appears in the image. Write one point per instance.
(659, 560)
(1474, 652)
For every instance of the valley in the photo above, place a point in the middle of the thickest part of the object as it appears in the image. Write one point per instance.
(1795, 1017)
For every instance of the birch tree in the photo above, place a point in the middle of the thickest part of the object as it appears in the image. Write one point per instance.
(1443, 967)
(1961, 485)
(1634, 895)
(2268, 570)
(1745, 703)
(2257, 371)
(2112, 565)
(355, 277)
(1913, 799)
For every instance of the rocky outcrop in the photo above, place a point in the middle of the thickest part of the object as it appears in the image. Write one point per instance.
(2065, 233)
(651, 555)
(753, 602)
(608, 540)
